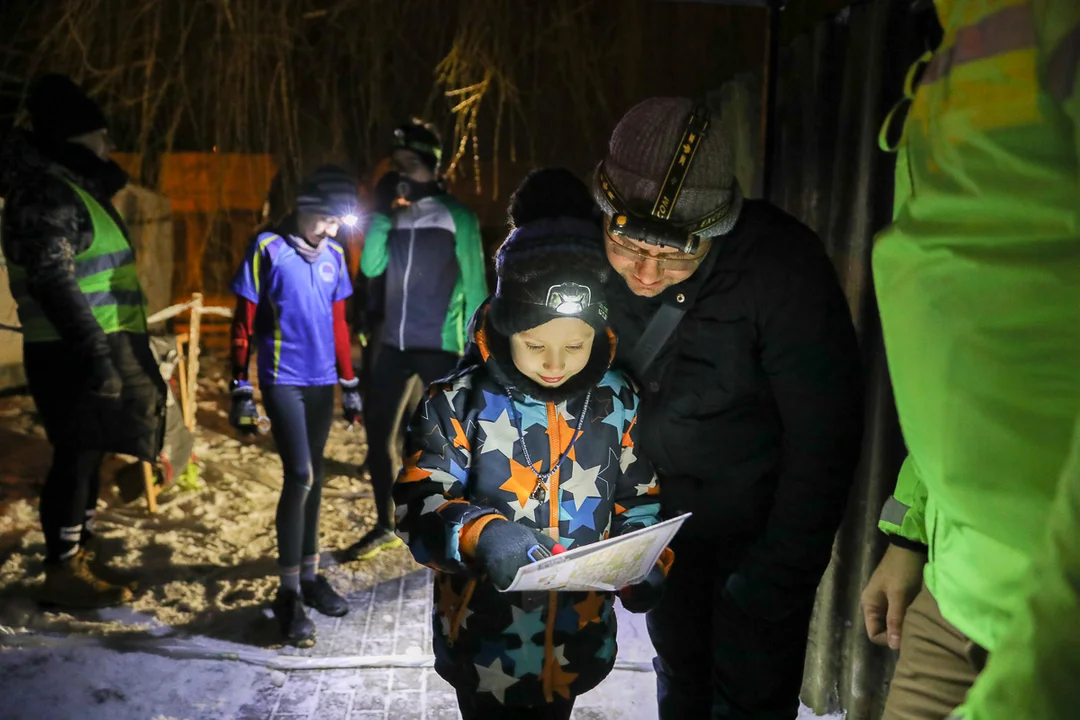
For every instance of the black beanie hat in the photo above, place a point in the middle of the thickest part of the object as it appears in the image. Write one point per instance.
(552, 265)
(330, 190)
(60, 110)
(421, 138)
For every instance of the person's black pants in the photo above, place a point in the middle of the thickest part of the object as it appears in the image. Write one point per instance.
(69, 500)
(715, 661)
(391, 372)
(81, 428)
(300, 419)
(483, 706)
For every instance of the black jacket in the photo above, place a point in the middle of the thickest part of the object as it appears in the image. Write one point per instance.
(752, 411)
(44, 226)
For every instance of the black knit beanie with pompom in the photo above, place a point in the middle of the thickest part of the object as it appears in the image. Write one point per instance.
(552, 265)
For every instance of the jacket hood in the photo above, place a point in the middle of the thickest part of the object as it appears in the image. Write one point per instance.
(20, 159)
(24, 157)
(492, 350)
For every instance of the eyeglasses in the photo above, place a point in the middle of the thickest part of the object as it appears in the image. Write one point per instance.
(664, 261)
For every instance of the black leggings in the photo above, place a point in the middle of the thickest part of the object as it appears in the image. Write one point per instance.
(300, 422)
(69, 500)
(392, 370)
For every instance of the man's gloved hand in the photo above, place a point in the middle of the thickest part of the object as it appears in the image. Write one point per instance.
(351, 404)
(243, 415)
(104, 381)
(387, 192)
(503, 549)
(645, 595)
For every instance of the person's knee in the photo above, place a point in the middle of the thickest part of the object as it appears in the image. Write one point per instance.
(299, 477)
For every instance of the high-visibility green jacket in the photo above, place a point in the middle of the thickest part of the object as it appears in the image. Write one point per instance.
(978, 283)
(105, 272)
(1035, 670)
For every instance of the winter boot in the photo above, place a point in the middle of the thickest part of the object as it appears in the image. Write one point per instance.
(91, 551)
(70, 583)
(319, 595)
(296, 627)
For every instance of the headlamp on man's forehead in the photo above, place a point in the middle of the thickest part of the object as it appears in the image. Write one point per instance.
(654, 232)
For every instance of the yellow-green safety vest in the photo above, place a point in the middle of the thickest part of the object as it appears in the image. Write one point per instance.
(106, 275)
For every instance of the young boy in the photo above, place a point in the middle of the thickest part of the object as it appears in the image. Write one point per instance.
(533, 444)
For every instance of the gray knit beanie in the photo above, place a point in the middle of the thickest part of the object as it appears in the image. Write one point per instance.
(640, 152)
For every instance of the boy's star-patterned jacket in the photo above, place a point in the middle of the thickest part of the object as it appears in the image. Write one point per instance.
(464, 463)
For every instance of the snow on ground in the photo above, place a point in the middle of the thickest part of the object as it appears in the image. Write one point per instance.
(206, 572)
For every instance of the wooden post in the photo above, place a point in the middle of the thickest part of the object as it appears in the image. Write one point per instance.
(181, 366)
(193, 354)
(151, 487)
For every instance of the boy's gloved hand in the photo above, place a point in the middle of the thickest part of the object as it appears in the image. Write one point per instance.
(351, 404)
(503, 549)
(645, 595)
(243, 415)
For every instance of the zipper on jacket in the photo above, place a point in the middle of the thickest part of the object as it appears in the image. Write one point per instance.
(554, 450)
(405, 282)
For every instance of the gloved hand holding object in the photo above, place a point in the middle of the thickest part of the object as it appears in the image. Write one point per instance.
(504, 547)
(104, 381)
(244, 415)
(645, 595)
(351, 404)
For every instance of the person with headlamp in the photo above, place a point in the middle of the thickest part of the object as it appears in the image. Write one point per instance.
(291, 291)
(425, 246)
(730, 317)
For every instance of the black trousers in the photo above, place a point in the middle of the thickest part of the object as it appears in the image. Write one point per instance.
(392, 370)
(300, 420)
(483, 706)
(715, 661)
(81, 429)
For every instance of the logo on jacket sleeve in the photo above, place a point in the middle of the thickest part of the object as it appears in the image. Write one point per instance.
(327, 271)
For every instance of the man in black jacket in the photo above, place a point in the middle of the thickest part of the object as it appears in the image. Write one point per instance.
(730, 316)
(83, 313)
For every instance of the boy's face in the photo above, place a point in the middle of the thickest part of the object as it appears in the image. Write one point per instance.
(554, 352)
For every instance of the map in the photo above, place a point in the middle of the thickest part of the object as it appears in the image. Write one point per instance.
(608, 565)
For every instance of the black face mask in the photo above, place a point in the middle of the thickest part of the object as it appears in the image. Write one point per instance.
(394, 189)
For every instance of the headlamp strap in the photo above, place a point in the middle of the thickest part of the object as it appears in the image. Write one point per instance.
(681, 160)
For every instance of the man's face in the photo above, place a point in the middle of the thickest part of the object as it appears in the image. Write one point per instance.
(411, 166)
(97, 142)
(648, 269)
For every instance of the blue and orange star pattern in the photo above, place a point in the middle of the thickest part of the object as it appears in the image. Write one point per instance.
(465, 460)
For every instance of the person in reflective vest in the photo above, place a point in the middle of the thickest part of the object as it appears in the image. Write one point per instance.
(978, 284)
(86, 350)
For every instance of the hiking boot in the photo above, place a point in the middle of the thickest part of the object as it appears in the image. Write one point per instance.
(379, 538)
(71, 583)
(91, 552)
(296, 627)
(319, 595)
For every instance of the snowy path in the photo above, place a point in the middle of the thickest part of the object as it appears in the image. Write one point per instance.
(96, 682)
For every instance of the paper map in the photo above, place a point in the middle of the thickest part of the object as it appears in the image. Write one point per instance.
(608, 565)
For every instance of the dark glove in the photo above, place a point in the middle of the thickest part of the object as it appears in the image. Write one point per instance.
(243, 415)
(104, 381)
(645, 595)
(503, 549)
(351, 404)
(388, 191)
